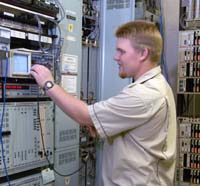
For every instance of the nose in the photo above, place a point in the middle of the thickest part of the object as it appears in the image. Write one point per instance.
(116, 57)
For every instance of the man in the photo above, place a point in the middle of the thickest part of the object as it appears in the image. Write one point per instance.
(138, 124)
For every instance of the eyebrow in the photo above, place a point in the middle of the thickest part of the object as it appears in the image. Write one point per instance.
(120, 49)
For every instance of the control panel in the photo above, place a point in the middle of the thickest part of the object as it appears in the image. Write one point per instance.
(27, 135)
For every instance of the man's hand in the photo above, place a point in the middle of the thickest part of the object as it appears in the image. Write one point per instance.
(92, 130)
(41, 74)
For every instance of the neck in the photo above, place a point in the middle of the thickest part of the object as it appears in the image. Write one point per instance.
(145, 68)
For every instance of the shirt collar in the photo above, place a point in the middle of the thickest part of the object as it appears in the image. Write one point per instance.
(146, 76)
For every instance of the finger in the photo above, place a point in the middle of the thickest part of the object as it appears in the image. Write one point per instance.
(33, 73)
(37, 68)
(93, 132)
(34, 67)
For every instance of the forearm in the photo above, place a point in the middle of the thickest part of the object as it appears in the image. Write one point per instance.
(73, 107)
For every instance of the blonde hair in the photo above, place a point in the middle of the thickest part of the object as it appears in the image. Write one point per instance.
(143, 34)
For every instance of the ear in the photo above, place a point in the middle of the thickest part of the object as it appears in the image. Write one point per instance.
(144, 54)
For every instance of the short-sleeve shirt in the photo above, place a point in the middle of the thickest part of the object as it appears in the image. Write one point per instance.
(139, 127)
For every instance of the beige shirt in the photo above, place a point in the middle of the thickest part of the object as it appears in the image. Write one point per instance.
(144, 155)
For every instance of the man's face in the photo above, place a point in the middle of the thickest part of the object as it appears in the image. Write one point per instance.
(127, 58)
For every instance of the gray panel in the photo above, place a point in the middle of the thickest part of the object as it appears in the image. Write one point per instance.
(66, 130)
(72, 39)
(109, 82)
(24, 146)
(67, 162)
(171, 40)
(93, 71)
(89, 74)
(33, 180)
(84, 75)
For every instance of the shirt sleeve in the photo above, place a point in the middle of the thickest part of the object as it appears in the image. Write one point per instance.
(127, 110)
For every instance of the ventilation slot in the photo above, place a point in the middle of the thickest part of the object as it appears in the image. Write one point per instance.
(118, 4)
(66, 135)
(67, 157)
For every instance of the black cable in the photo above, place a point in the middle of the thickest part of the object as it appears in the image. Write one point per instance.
(57, 55)
(40, 32)
(88, 69)
(62, 10)
(44, 149)
(53, 47)
(85, 173)
(60, 40)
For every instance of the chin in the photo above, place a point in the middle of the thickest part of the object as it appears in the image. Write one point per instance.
(123, 75)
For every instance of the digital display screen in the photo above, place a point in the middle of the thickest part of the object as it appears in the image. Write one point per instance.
(20, 63)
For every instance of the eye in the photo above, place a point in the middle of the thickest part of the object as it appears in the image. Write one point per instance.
(120, 51)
